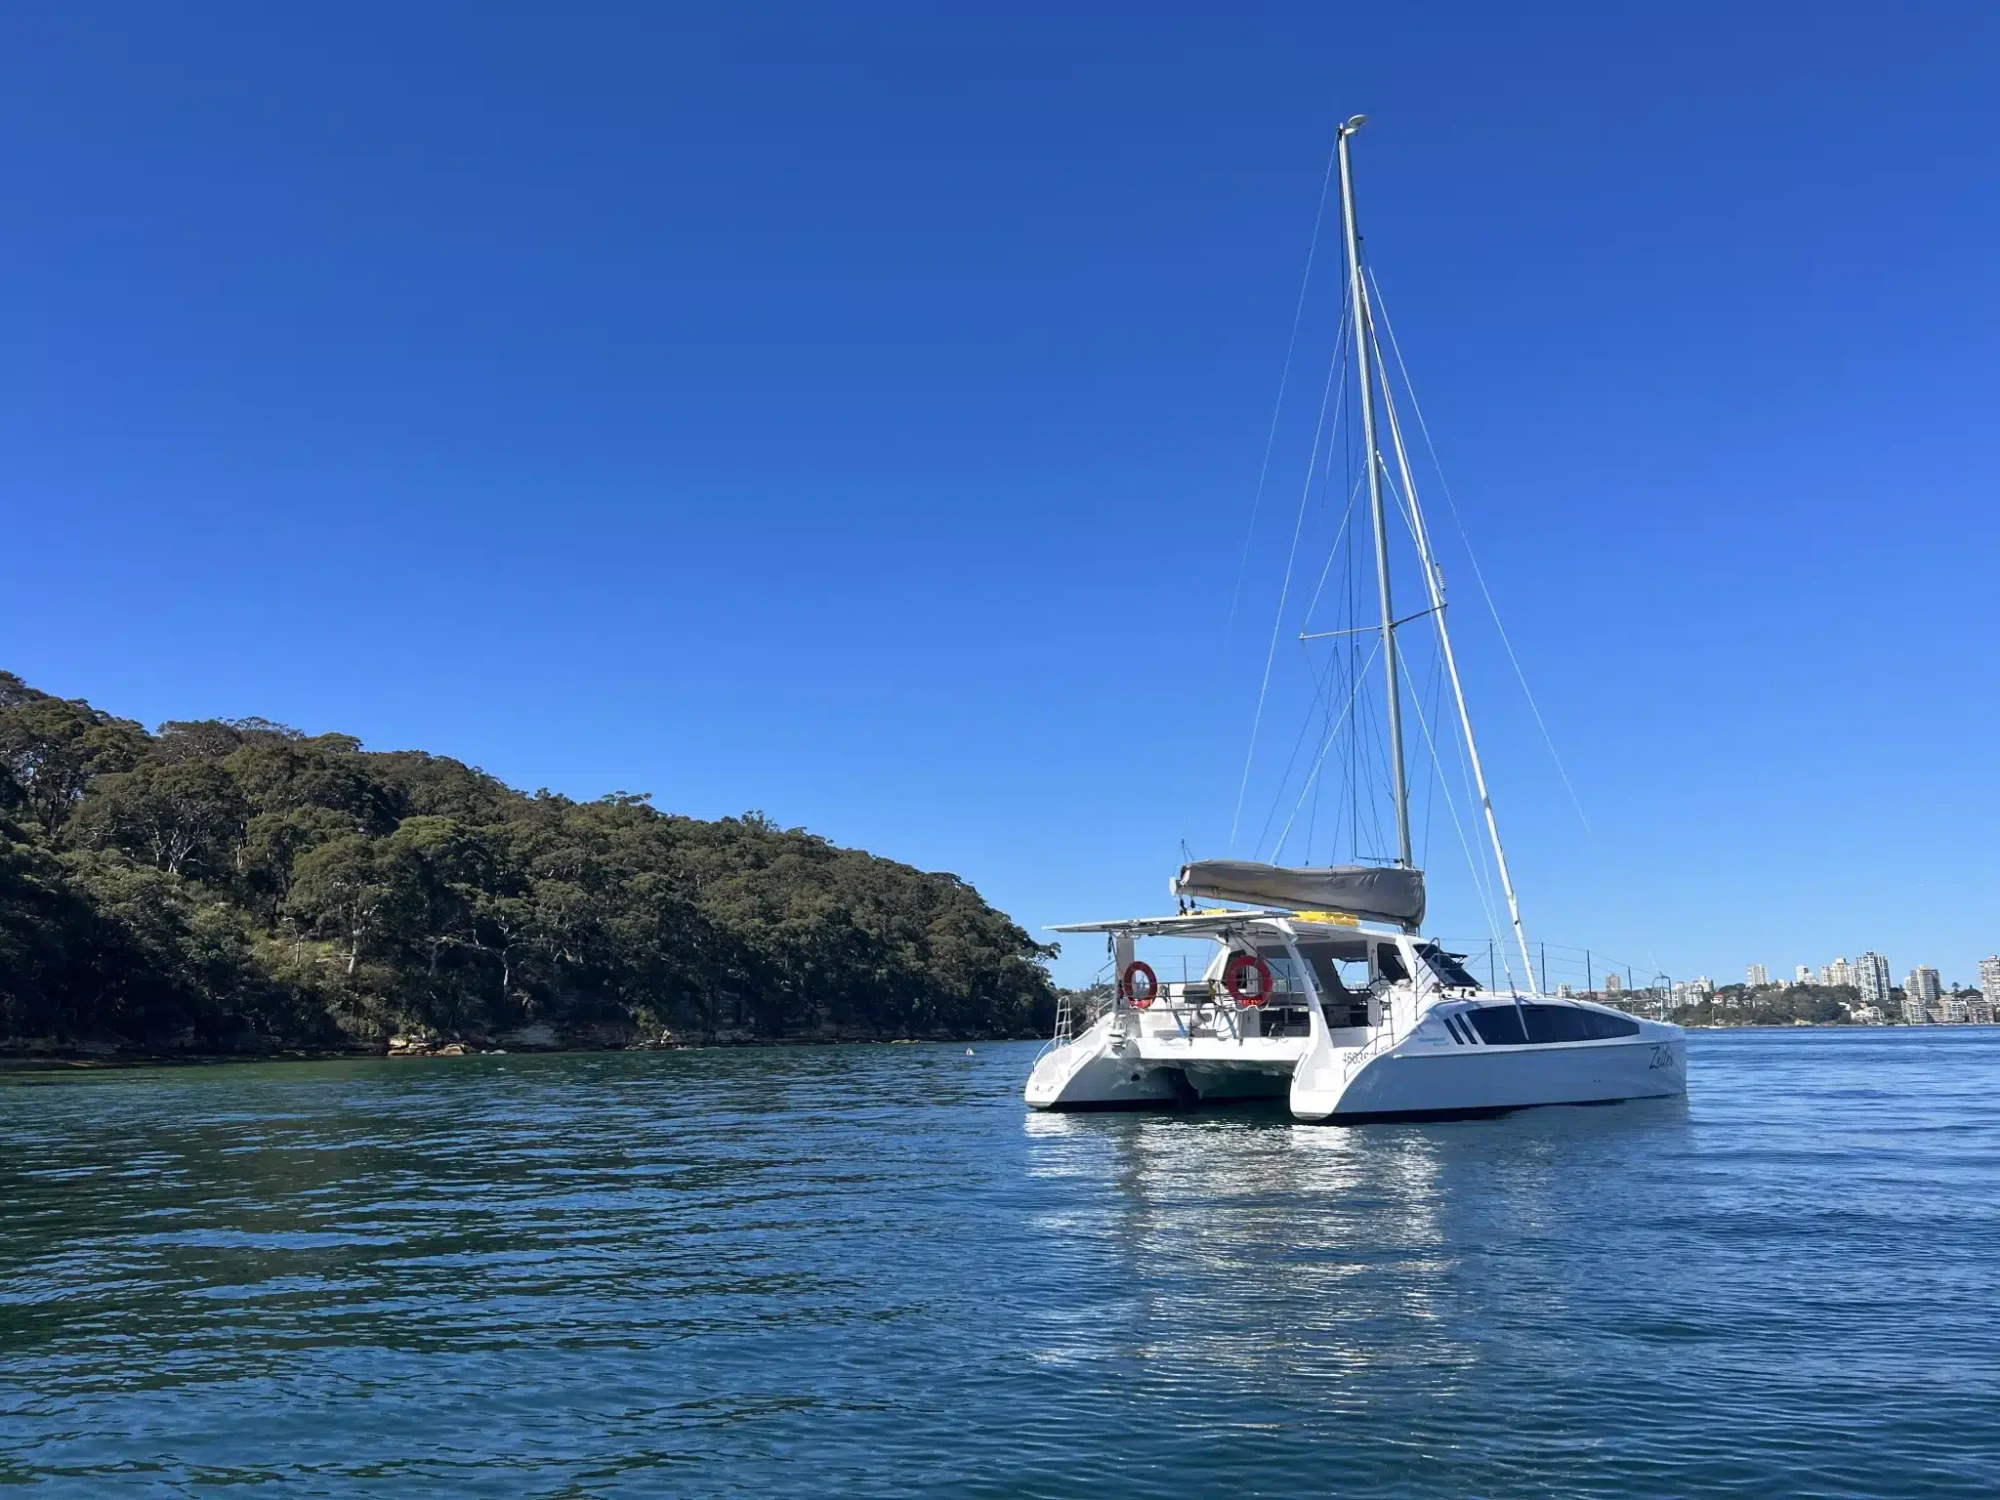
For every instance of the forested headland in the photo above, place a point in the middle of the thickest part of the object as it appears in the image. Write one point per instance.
(229, 886)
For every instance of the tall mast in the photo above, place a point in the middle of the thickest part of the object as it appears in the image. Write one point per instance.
(1364, 338)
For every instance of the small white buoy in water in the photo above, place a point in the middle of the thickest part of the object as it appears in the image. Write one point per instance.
(968, 1052)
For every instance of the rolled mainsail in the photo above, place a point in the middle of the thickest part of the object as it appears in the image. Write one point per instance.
(1364, 891)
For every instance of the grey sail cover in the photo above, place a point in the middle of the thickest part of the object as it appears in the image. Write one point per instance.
(1374, 894)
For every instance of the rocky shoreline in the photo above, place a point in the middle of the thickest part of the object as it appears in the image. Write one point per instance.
(26, 1054)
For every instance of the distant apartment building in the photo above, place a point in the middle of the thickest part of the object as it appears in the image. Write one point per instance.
(1693, 991)
(1922, 986)
(1756, 976)
(1840, 971)
(1989, 980)
(1802, 974)
(1871, 977)
(1920, 995)
(1613, 984)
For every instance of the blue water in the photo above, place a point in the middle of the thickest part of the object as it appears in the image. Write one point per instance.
(867, 1270)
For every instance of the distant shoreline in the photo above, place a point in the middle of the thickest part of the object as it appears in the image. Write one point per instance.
(1845, 1026)
(83, 1061)
(77, 1060)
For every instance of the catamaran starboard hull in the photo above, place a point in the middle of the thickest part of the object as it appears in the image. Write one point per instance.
(1426, 1083)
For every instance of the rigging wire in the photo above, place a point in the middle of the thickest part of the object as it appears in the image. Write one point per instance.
(1472, 557)
(1485, 905)
(1436, 771)
(1313, 775)
(1346, 518)
(1338, 367)
(1284, 378)
(1483, 874)
(1320, 682)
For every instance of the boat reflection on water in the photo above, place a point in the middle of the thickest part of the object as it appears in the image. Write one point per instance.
(1247, 1245)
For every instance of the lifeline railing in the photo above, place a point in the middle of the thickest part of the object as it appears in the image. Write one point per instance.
(1390, 1032)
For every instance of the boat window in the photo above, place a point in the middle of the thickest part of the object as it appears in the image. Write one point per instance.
(1497, 1025)
(1326, 974)
(1389, 962)
(1502, 1025)
(1573, 1023)
(1282, 982)
(1449, 967)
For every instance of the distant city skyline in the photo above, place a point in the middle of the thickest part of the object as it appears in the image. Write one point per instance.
(1923, 998)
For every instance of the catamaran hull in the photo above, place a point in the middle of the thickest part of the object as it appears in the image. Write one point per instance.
(1105, 1070)
(1426, 1083)
(1087, 1074)
(1101, 1071)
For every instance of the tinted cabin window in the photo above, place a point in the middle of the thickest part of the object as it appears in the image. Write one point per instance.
(1342, 1005)
(1598, 1027)
(1500, 1025)
(1448, 967)
(1326, 973)
(1389, 963)
(1497, 1025)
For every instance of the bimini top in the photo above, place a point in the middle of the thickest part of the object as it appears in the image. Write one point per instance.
(1373, 895)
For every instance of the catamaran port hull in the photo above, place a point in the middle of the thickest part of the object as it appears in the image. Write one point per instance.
(1109, 1069)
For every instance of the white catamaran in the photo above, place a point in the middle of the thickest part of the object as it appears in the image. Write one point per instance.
(1320, 989)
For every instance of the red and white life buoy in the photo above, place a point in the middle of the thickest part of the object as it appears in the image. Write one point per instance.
(1241, 964)
(1138, 985)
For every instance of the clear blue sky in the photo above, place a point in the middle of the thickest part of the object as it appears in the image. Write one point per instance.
(854, 412)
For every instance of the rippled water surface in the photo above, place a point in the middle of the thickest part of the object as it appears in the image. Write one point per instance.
(870, 1271)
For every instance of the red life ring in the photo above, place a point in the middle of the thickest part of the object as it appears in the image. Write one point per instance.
(1232, 978)
(1129, 991)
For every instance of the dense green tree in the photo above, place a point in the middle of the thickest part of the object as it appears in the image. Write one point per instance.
(52, 748)
(181, 815)
(1793, 1005)
(230, 883)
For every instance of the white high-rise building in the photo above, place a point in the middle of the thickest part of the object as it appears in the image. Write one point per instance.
(1989, 980)
(1756, 976)
(1922, 986)
(1802, 974)
(1613, 984)
(1871, 977)
(1840, 971)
